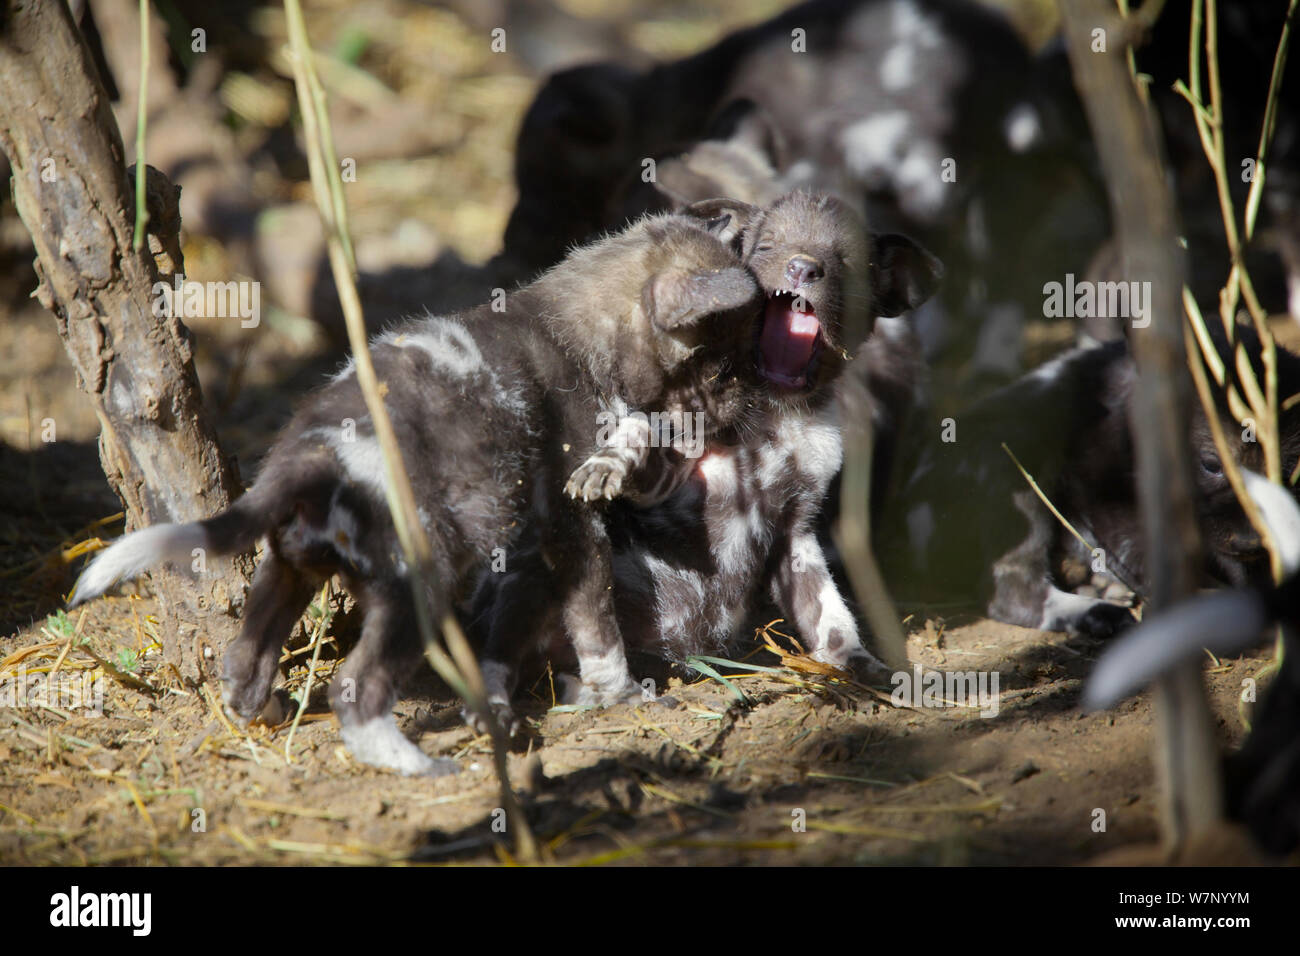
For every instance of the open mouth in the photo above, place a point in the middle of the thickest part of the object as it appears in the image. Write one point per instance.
(789, 340)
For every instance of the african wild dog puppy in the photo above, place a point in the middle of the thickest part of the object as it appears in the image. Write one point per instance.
(693, 560)
(738, 159)
(929, 113)
(493, 413)
(966, 529)
(1262, 779)
(887, 377)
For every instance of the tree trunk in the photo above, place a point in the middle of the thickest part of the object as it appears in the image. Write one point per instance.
(70, 186)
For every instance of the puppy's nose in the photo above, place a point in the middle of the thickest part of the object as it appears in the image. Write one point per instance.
(801, 269)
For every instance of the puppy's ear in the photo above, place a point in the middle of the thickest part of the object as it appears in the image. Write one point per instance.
(903, 275)
(678, 298)
(725, 218)
(744, 123)
(681, 185)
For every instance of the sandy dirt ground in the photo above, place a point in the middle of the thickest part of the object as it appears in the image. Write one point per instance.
(768, 768)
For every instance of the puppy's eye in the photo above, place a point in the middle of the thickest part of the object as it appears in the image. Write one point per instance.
(764, 246)
(1211, 465)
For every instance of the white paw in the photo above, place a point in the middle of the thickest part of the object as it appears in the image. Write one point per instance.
(575, 693)
(600, 476)
(379, 743)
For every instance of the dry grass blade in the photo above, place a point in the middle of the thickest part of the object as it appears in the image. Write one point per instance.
(141, 207)
(121, 676)
(317, 639)
(981, 807)
(819, 775)
(1270, 117)
(666, 794)
(310, 813)
(883, 833)
(460, 669)
(1091, 549)
(20, 655)
(853, 537)
(799, 662)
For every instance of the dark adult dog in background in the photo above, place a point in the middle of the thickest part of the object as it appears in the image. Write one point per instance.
(965, 528)
(930, 112)
(691, 568)
(493, 412)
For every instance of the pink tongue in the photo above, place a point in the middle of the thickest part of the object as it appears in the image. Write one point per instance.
(787, 341)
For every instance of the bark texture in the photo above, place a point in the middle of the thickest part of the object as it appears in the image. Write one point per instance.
(71, 187)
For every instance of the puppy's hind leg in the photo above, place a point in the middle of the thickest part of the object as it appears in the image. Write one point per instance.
(521, 616)
(365, 690)
(279, 595)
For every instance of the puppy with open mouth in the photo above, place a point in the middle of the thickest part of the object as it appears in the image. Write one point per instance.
(494, 409)
(694, 558)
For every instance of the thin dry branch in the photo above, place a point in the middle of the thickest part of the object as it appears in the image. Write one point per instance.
(1143, 211)
(460, 669)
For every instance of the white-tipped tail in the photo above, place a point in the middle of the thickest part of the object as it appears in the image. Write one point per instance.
(1224, 623)
(137, 552)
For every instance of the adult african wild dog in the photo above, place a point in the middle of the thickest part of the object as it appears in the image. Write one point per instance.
(493, 413)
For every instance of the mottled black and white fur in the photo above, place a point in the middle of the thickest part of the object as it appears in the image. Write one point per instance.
(966, 529)
(692, 567)
(493, 412)
(738, 159)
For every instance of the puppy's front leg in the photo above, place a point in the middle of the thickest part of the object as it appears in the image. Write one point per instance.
(1023, 592)
(806, 593)
(521, 616)
(590, 622)
(602, 475)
